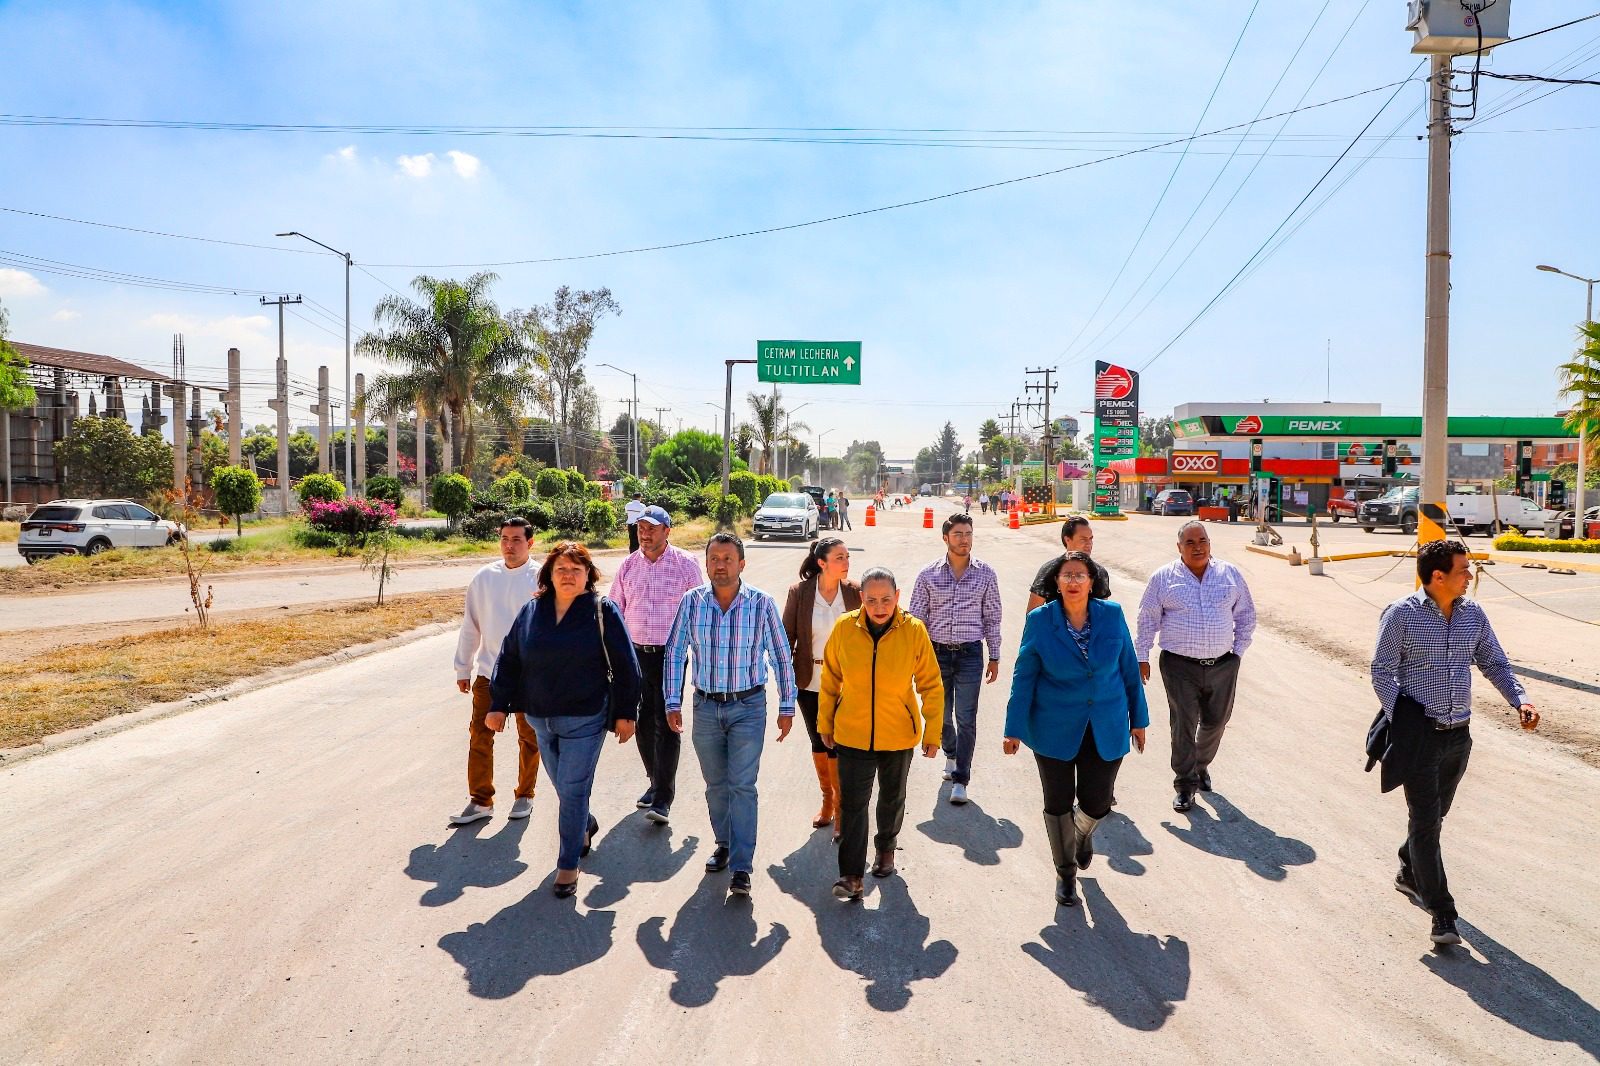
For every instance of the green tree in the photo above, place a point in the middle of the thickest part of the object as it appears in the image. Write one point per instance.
(453, 352)
(550, 483)
(560, 332)
(238, 493)
(1580, 383)
(861, 462)
(514, 488)
(319, 487)
(15, 392)
(692, 457)
(451, 495)
(386, 488)
(946, 453)
(744, 441)
(986, 435)
(1156, 432)
(102, 456)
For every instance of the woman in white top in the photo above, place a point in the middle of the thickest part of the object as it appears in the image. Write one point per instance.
(823, 593)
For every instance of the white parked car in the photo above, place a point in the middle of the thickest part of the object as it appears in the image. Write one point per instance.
(89, 527)
(787, 514)
(1494, 514)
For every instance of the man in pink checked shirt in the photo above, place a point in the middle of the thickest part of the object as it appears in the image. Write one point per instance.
(646, 590)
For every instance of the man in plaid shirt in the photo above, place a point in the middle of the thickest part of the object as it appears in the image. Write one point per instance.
(729, 626)
(648, 586)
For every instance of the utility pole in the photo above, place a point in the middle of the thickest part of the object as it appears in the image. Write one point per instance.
(348, 263)
(1048, 454)
(321, 411)
(361, 434)
(180, 437)
(727, 420)
(281, 405)
(235, 430)
(1436, 328)
(393, 421)
(422, 458)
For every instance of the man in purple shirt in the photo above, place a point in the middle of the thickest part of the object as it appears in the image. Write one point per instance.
(647, 588)
(958, 599)
(1203, 611)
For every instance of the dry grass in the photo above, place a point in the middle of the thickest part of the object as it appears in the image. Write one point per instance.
(50, 693)
(9, 532)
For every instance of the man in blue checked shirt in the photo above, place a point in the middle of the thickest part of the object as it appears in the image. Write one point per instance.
(729, 626)
(1428, 643)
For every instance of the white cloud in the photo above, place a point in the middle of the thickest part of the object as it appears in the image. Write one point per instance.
(416, 166)
(466, 165)
(230, 328)
(347, 153)
(65, 315)
(19, 284)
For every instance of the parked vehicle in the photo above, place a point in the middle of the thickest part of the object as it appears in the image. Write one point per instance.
(1397, 507)
(1342, 507)
(89, 527)
(787, 514)
(1173, 501)
(1495, 513)
(1560, 526)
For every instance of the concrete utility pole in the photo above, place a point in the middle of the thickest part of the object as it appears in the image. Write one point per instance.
(1583, 428)
(422, 459)
(394, 444)
(280, 405)
(235, 431)
(727, 421)
(180, 444)
(1436, 327)
(361, 434)
(1048, 454)
(197, 475)
(320, 409)
(348, 263)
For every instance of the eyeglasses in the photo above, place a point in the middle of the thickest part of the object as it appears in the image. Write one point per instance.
(1073, 579)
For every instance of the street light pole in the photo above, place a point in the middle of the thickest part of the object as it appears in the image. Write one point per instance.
(632, 418)
(1583, 427)
(349, 469)
(787, 415)
(727, 421)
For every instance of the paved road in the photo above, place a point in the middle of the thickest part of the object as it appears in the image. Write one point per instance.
(270, 880)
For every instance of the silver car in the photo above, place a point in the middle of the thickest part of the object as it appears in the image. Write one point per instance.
(787, 514)
(89, 527)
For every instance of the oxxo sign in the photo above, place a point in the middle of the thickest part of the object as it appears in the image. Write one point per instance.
(1196, 463)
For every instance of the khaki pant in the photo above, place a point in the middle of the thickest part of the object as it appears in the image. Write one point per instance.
(480, 751)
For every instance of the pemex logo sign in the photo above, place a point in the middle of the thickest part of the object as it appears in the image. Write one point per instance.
(1112, 383)
(1116, 428)
(1247, 426)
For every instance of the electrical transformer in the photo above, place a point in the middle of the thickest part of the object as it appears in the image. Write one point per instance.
(1452, 27)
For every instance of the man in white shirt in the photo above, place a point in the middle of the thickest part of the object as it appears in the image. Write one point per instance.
(634, 511)
(494, 598)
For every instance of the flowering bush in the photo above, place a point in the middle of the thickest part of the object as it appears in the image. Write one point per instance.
(354, 517)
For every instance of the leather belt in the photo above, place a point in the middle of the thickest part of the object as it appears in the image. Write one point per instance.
(959, 646)
(1214, 660)
(729, 697)
(1440, 727)
(654, 649)
(817, 661)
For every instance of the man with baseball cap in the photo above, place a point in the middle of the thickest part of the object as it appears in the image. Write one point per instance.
(647, 588)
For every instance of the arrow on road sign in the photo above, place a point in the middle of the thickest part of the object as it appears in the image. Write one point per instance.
(849, 362)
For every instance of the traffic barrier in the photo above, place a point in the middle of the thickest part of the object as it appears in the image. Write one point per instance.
(927, 518)
(1013, 523)
(872, 515)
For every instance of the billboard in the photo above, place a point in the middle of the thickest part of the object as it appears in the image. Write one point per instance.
(1116, 429)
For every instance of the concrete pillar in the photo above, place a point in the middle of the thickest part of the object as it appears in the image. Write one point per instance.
(394, 444)
(235, 416)
(422, 459)
(5, 449)
(280, 406)
(322, 412)
(197, 470)
(180, 437)
(358, 443)
(155, 419)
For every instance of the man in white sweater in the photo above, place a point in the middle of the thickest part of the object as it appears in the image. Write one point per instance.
(497, 593)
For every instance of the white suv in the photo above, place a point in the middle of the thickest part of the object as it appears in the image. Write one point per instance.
(89, 527)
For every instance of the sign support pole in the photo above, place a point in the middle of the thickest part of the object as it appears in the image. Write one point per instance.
(727, 421)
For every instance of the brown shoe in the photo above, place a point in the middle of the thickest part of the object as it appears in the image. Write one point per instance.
(884, 866)
(838, 796)
(820, 761)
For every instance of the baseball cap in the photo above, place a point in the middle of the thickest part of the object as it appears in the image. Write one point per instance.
(657, 516)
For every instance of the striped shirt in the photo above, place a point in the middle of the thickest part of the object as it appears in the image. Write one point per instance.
(647, 593)
(727, 646)
(1429, 658)
(1201, 619)
(958, 610)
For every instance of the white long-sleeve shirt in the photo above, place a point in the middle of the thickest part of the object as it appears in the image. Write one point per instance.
(493, 600)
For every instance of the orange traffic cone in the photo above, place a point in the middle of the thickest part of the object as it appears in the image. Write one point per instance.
(927, 518)
(872, 515)
(1012, 523)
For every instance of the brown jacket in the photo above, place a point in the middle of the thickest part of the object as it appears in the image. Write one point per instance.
(797, 622)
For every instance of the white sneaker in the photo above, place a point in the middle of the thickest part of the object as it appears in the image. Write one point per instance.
(522, 808)
(471, 813)
(949, 769)
(958, 795)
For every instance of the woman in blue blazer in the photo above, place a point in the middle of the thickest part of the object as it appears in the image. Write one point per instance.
(1076, 700)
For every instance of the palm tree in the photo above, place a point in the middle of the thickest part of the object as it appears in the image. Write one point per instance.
(1580, 381)
(771, 425)
(459, 362)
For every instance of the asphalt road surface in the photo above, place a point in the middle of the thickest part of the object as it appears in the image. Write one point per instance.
(271, 880)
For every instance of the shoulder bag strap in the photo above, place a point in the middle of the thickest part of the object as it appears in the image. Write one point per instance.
(600, 618)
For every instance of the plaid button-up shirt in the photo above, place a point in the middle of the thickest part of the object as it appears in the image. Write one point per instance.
(647, 593)
(728, 646)
(958, 610)
(1431, 659)
(1200, 619)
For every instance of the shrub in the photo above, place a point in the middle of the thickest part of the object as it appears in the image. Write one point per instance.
(451, 495)
(729, 510)
(1512, 542)
(388, 489)
(631, 485)
(577, 484)
(599, 519)
(746, 486)
(550, 483)
(354, 517)
(481, 525)
(594, 490)
(319, 488)
(568, 515)
(705, 501)
(670, 498)
(238, 492)
(223, 545)
(513, 488)
(538, 515)
(310, 537)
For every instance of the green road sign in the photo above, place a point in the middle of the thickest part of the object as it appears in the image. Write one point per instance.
(809, 362)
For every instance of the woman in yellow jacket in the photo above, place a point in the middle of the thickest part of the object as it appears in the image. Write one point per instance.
(868, 713)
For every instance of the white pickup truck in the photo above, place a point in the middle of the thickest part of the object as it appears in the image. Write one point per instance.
(1483, 513)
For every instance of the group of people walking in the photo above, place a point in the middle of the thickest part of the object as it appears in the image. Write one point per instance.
(876, 684)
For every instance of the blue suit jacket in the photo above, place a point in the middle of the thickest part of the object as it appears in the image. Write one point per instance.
(1056, 695)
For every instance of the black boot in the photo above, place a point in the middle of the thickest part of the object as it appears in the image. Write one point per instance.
(1083, 825)
(1059, 832)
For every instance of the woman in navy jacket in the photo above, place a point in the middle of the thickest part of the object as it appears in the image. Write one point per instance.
(1076, 700)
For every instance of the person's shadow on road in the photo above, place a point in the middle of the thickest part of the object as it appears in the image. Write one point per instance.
(1509, 987)
(1137, 978)
(538, 936)
(980, 836)
(713, 937)
(1232, 834)
(632, 852)
(1119, 842)
(885, 945)
(468, 860)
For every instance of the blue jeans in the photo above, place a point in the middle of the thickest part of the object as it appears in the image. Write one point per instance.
(728, 739)
(961, 670)
(571, 750)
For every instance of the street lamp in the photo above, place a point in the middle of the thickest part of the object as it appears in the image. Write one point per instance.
(1583, 428)
(348, 429)
(824, 433)
(787, 415)
(632, 418)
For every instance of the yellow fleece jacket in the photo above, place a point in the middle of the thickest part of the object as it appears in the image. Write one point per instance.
(867, 700)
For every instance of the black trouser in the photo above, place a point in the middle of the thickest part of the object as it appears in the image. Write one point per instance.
(1086, 778)
(1430, 789)
(808, 711)
(1199, 703)
(658, 744)
(633, 536)
(856, 770)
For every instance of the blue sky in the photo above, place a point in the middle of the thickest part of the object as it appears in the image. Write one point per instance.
(951, 299)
